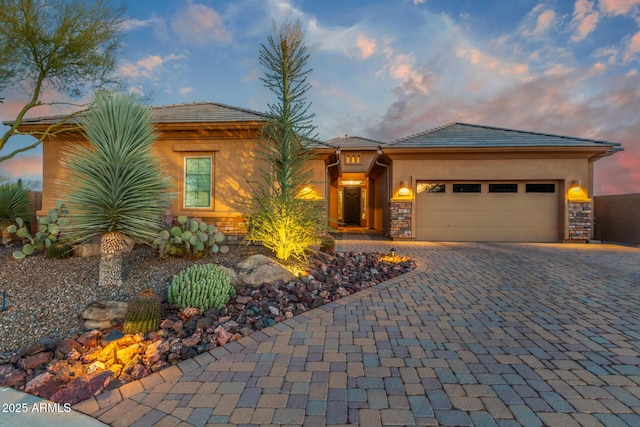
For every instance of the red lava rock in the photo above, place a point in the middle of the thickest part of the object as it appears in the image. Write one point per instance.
(65, 369)
(45, 385)
(244, 299)
(32, 362)
(67, 345)
(90, 338)
(82, 388)
(222, 335)
(10, 376)
(139, 371)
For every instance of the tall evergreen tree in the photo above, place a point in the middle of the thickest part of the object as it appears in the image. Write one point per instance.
(278, 217)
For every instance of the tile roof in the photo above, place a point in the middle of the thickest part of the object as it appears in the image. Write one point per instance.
(355, 142)
(465, 135)
(196, 112)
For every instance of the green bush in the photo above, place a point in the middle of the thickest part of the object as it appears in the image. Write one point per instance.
(143, 313)
(201, 286)
(59, 250)
(14, 203)
(189, 238)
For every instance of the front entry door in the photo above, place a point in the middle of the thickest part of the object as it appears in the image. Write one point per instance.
(352, 205)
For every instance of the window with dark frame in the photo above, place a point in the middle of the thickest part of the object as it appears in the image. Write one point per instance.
(541, 188)
(467, 188)
(430, 187)
(503, 188)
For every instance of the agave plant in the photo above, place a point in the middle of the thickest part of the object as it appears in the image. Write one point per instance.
(116, 188)
(14, 203)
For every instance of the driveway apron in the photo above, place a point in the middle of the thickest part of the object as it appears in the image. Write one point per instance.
(479, 334)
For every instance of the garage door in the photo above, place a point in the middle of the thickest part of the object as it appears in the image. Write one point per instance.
(488, 211)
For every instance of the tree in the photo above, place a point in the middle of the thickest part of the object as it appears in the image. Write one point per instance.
(67, 46)
(116, 188)
(278, 217)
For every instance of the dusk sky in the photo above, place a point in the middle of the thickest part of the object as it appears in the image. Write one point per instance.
(387, 69)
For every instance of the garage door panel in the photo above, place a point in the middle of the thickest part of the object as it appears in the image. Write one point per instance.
(512, 217)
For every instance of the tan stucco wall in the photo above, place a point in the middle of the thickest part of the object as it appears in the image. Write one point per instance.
(618, 218)
(482, 168)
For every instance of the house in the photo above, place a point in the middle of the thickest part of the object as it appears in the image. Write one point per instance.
(458, 182)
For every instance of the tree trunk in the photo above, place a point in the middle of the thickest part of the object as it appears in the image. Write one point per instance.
(112, 245)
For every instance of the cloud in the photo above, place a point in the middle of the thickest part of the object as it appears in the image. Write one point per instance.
(147, 66)
(24, 166)
(584, 20)
(419, 1)
(366, 46)
(632, 48)
(134, 24)
(402, 67)
(185, 90)
(618, 7)
(198, 24)
(545, 21)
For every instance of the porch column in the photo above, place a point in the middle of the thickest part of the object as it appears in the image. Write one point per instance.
(580, 220)
(400, 220)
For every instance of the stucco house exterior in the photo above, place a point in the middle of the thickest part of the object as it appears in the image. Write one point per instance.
(458, 182)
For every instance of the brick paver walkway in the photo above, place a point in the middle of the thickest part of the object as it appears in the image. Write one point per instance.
(479, 334)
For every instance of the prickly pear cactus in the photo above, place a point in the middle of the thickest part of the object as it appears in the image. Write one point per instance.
(143, 313)
(189, 238)
(201, 286)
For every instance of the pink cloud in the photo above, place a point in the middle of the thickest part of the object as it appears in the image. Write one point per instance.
(199, 24)
(366, 46)
(545, 21)
(633, 47)
(146, 67)
(402, 68)
(22, 166)
(584, 19)
(617, 7)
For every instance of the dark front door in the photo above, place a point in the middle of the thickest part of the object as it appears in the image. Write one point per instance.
(352, 205)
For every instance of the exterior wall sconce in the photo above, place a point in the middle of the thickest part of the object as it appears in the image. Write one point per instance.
(404, 189)
(576, 193)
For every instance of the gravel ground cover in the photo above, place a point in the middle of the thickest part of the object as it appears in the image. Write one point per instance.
(44, 297)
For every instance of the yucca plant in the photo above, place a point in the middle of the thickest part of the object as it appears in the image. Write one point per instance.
(116, 188)
(14, 203)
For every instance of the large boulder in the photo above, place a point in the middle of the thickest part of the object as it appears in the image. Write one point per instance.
(104, 314)
(82, 388)
(259, 269)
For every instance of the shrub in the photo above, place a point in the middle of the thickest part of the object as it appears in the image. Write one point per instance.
(14, 203)
(189, 238)
(201, 286)
(59, 250)
(328, 243)
(143, 313)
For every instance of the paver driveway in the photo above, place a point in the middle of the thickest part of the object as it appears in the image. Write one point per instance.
(479, 334)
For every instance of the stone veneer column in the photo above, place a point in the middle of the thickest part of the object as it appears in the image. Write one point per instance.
(400, 220)
(580, 220)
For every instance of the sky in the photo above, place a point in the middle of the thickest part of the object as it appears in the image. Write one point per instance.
(386, 69)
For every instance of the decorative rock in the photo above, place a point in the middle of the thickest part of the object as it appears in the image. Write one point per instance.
(90, 338)
(113, 335)
(83, 388)
(32, 362)
(104, 314)
(259, 269)
(125, 355)
(44, 385)
(108, 354)
(66, 370)
(11, 377)
(67, 345)
(139, 371)
(155, 351)
(231, 273)
(222, 335)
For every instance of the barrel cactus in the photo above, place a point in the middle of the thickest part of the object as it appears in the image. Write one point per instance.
(202, 286)
(143, 313)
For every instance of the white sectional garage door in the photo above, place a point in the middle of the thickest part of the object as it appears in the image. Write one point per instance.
(459, 211)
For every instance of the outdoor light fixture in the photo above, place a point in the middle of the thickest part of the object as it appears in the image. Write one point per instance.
(576, 193)
(575, 184)
(393, 252)
(404, 189)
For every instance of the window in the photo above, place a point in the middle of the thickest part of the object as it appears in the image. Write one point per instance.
(430, 187)
(541, 188)
(503, 188)
(352, 159)
(197, 182)
(466, 188)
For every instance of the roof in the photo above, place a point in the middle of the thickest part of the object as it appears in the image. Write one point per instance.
(196, 112)
(465, 135)
(355, 142)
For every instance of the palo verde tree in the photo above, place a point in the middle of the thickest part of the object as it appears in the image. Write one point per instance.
(63, 46)
(116, 188)
(278, 217)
